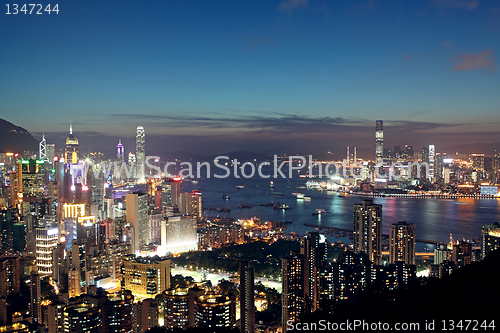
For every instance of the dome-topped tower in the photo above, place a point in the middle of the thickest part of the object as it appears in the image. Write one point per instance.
(71, 149)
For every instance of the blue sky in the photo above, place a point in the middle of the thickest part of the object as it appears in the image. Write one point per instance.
(318, 70)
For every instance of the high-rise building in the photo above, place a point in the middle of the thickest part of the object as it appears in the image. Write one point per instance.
(402, 243)
(191, 204)
(137, 217)
(146, 277)
(247, 299)
(140, 153)
(295, 284)
(379, 141)
(213, 311)
(146, 315)
(35, 298)
(314, 246)
(47, 237)
(178, 234)
(42, 149)
(368, 230)
(120, 312)
(490, 238)
(82, 318)
(71, 148)
(351, 273)
(432, 161)
(120, 151)
(176, 308)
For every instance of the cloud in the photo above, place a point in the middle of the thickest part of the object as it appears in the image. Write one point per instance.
(481, 60)
(447, 43)
(252, 43)
(290, 5)
(408, 57)
(452, 4)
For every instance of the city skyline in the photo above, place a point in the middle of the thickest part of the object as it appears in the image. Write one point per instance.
(283, 73)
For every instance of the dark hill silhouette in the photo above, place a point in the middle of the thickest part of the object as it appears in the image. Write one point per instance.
(15, 139)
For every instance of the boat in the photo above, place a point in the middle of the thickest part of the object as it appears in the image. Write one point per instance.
(245, 206)
(194, 182)
(319, 212)
(300, 196)
(239, 187)
(283, 206)
(267, 204)
(296, 193)
(277, 193)
(225, 197)
(307, 198)
(271, 184)
(222, 210)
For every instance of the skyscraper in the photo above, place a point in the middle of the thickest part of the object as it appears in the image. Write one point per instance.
(140, 153)
(137, 216)
(402, 243)
(379, 141)
(295, 284)
(247, 305)
(314, 247)
(178, 234)
(368, 230)
(146, 277)
(212, 311)
(71, 148)
(432, 153)
(120, 151)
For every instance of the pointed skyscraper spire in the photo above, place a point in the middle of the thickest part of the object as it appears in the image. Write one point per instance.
(70, 128)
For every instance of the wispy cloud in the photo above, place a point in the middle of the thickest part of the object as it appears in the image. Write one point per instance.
(252, 43)
(459, 4)
(290, 5)
(447, 43)
(481, 60)
(408, 57)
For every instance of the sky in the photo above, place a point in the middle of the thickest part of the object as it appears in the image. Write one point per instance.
(210, 77)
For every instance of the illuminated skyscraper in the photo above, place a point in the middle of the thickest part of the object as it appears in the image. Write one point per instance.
(247, 300)
(402, 243)
(314, 246)
(211, 311)
(178, 234)
(35, 305)
(43, 149)
(368, 230)
(46, 240)
(379, 141)
(140, 153)
(82, 318)
(295, 284)
(432, 153)
(71, 148)
(137, 216)
(120, 151)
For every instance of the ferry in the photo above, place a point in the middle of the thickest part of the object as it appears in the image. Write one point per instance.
(239, 187)
(300, 196)
(319, 212)
(307, 198)
(245, 206)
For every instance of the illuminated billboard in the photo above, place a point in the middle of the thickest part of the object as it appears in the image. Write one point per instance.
(489, 190)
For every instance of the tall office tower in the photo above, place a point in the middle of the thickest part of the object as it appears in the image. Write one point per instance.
(379, 141)
(116, 251)
(47, 237)
(42, 150)
(247, 300)
(477, 161)
(155, 219)
(191, 204)
(432, 153)
(35, 298)
(82, 318)
(314, 246)
(79, 278)
(295, 284)
(438, 167)
(368, 230)
(146, 277)
(140, 153)
(120, 312)
(59, 267)
(490, 238)
(137, 217)
(402, 243)
(462, 253)
(178, 234)
(425, 154)
(51, 152)
(71, 148)
(120, 151)
(55, 311)
(213, 311)
(171, 191)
